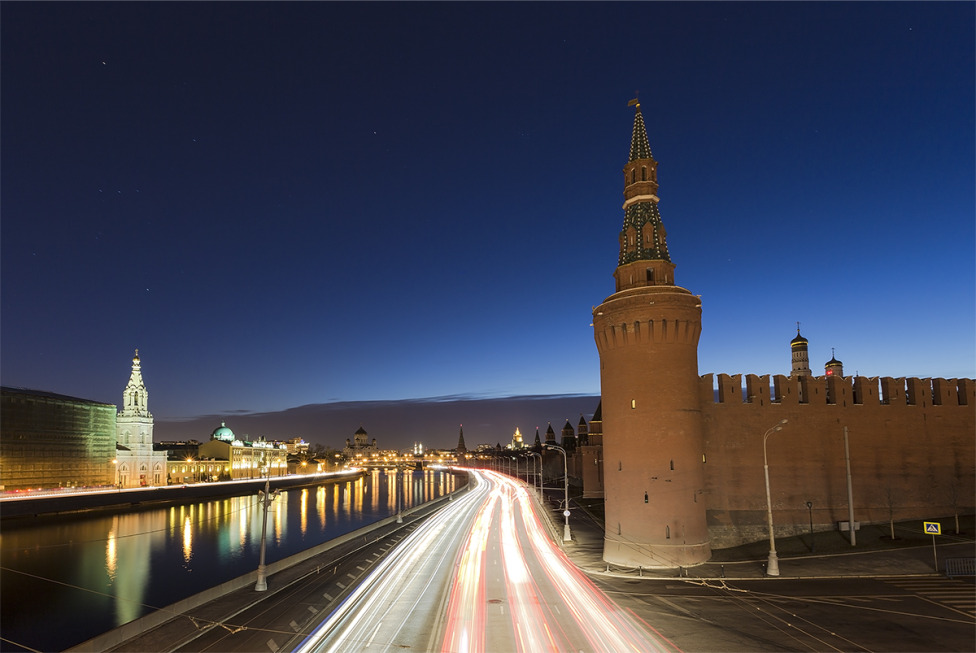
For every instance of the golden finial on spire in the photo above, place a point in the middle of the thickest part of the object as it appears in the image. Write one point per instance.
(636, 101)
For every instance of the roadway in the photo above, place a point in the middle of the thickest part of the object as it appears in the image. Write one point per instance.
(480, 575)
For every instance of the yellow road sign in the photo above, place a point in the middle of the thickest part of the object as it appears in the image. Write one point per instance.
(932, 527)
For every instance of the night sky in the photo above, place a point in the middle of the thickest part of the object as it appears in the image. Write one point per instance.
(295, 203)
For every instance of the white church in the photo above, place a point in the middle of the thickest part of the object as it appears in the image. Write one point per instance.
(137, 465)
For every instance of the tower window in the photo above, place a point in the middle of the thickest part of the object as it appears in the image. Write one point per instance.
(672, 465)
(667, 532)
(643, 173)
(633, 404)
(650, 275)
(633, 176)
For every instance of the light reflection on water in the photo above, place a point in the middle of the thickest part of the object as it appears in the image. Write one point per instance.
(108, 569)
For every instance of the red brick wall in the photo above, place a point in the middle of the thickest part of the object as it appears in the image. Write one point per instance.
(916, 461)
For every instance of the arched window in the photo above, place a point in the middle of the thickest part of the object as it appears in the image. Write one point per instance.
(643, 173)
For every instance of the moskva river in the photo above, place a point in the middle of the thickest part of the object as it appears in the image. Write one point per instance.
(66, 579)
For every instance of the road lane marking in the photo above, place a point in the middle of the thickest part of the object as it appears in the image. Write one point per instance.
(328, 597)
(376, 630)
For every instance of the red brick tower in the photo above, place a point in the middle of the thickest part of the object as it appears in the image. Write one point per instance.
(647, 336)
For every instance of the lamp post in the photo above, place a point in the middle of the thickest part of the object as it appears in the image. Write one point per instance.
(566, 534)
(772, 566)
(397, 489)
(266, 497)
(813, 545)
(538, 474)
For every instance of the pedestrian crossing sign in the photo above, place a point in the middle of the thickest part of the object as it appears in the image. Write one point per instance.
(933, 527)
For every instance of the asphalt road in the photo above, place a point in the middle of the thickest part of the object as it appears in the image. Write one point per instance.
(481, 575)
(864, 614)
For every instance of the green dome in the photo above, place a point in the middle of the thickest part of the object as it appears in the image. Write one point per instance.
(223, 433)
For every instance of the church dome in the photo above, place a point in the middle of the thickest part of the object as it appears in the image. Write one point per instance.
(223, 433)
(798, 341)
(834, 367)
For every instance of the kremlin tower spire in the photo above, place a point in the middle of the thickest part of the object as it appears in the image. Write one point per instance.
(644, 259)
(647, 336)
(461, 448)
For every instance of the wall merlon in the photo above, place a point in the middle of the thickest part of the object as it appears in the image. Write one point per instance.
(730, 389)
(786, 390)
(892, 391)
(757, 389)
(943, 391)
(966, 392)
(917, 391)
(866, 391)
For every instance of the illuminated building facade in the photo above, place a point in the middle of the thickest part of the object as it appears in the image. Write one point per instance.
(360, 447)
(516, 442)
(49, 441)
(137, 464)
(246, 459)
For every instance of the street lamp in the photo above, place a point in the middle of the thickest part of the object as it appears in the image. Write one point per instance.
(266, 498)
(118, 477)
(772, 566)
(538, 474)
(813, 544)
(397, 489)
(566, 534)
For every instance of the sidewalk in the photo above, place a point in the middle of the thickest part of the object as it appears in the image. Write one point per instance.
(910, 554)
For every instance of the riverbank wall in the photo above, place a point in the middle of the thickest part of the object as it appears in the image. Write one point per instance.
(25, 507)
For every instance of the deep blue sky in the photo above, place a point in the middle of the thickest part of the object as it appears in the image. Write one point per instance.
(283, 204)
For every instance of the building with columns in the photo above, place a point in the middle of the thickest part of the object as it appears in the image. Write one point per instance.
(136, 464)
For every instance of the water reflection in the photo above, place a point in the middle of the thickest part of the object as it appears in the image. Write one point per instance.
(187, 539)
(101, 570)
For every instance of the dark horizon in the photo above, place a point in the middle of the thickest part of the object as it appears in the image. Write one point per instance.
(397, 424)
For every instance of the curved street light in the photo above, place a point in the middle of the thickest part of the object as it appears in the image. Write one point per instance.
(566, 534)
(266, 497)
(772, 564)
